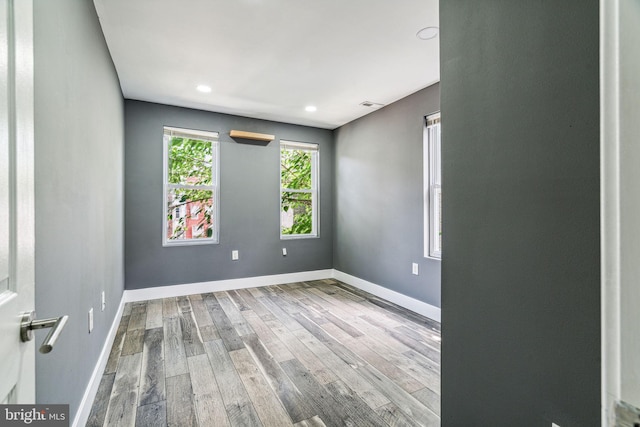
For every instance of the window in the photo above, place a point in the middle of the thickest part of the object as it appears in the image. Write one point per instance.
(191, 189)
(298, 190)
(432, 188)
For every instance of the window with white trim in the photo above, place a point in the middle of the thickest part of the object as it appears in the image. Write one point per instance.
(298, 189)
(191, 187)
(432, 187)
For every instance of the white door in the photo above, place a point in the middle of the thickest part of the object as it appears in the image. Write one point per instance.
(17, 359)
(620, 174)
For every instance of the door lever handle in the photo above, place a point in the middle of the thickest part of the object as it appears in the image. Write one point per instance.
(28, 324)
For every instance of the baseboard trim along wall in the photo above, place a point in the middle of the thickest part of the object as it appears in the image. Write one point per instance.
(133, 295)
(223, 285)
(402, 300)
(417, 306)
(84, 410)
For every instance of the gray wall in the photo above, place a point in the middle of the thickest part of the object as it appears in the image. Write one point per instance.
(521, 267)
(79, 137)
(249, 202)
(379, 198)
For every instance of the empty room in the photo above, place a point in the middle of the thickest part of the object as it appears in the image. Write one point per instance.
(231, 214)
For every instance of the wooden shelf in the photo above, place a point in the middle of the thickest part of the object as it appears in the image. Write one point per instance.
(251, 135)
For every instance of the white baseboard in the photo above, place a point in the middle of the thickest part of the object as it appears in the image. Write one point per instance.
(223, 285)
(92, 388)
(427, 310)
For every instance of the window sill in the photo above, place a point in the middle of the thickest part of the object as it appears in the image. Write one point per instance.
(299, 236)
(189, 243)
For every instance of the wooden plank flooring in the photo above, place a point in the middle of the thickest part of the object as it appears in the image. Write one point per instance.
(308, 354)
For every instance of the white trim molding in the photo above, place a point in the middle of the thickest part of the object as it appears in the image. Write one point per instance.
(417, 306)
(84, 410)
(223, 285)
(610, 211)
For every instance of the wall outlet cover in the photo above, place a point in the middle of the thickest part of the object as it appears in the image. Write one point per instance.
(414, 268)
(234, 255)
(284, 251)
(91, 320)
(104, 301)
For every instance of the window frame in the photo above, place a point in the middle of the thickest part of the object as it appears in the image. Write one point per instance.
(314, 191)
(432, 158)
(209, 136)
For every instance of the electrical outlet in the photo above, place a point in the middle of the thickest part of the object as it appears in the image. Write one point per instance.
(234, 255)
(104, 301)
(91, 320)
(414, 268)
(284, 251)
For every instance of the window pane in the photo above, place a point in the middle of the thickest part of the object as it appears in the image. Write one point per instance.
(432, 184)
(437, 220)
(5, 213)
(437, 162)
(189, 214)
(296, 169)
(296, 216)
(190, 161)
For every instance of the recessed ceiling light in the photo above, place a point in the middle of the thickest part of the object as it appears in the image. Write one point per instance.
(427, 33)
(310, 108)
(203, 88)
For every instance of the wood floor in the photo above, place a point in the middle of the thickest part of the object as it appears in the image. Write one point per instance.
(306, 354)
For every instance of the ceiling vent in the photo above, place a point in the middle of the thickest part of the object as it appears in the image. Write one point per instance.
(370, 104)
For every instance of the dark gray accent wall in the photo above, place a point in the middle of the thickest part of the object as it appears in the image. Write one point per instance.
(521, 266)
(79, 148)
(379, 216)
(249, 201)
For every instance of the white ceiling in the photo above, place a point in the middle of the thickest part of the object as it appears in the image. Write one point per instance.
(270, 58)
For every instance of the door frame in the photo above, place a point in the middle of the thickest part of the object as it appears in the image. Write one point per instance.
(20, 132)
(619, 207)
